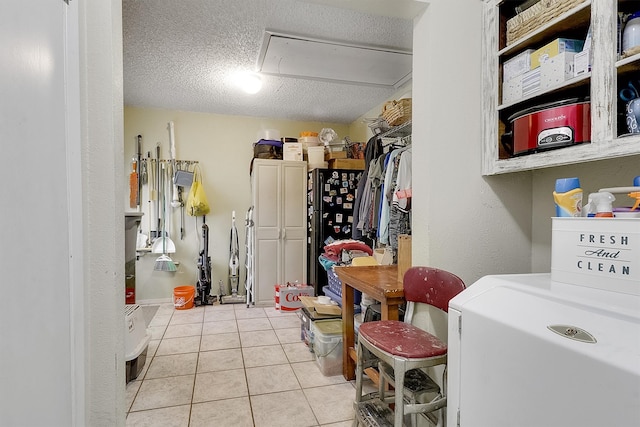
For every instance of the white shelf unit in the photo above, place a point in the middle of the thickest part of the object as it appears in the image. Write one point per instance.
(601, 85)
(279, 196)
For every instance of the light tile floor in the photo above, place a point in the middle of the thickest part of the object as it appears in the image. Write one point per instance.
(228, 365)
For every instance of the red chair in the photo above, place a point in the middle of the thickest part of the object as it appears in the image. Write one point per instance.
(403, 351)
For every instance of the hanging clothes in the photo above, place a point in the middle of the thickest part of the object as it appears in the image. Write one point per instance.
(399, 218)
(371, 151)
(389, 184)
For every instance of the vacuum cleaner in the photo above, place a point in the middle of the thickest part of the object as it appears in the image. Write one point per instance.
(203, 286)
(234, 267)
(248, 242)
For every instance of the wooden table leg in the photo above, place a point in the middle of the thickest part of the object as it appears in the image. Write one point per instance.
(388, 312)
(348, 340)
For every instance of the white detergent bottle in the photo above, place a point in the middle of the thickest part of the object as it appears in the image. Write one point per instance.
(603, 201)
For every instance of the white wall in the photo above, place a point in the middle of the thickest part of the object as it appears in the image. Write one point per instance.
(224, 147)
(39, 281)
(593, 176)
(62, 351)
(462, 222)
(102, 153)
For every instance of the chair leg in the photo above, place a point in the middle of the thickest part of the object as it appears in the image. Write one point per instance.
(382, 385)
(359, 372)
(399, 371)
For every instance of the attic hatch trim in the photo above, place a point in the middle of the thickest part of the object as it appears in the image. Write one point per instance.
(297, 56)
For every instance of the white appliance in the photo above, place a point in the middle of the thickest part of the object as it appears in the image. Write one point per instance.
(526, 351)
(137, 337)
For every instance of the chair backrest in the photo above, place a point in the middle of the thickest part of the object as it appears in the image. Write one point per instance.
(431, 286)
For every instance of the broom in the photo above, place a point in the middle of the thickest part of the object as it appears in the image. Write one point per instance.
(133, 185)
(164, 262)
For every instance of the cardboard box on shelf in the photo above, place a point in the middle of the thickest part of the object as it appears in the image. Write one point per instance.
(512, 90)
(582, 62)
(557, 70)
(335, 155)
(531, 82)
(356, 164)
(554, 48)
(517, 66)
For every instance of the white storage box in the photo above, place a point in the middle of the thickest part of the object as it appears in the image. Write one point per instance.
(582, 62)
(512, 90)
(555, 48)
(602, 253)
(136, 340)
(292, 151)
(557, 69)
(327, 345)
(531, 82)
(516, 66)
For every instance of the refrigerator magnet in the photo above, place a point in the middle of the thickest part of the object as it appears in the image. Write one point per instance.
(347, 205)
(344, 190)
(334, 175)
(344, 176)
(339, 217)
(350, 197)
(327, 187)
(327, 199)
(350, 219)
(338, 200)
(336, 229)
(346, 229)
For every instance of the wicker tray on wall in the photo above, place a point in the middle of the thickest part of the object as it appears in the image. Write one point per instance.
(536, 16)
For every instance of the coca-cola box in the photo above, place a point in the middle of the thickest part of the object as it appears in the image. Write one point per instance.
(287, 297)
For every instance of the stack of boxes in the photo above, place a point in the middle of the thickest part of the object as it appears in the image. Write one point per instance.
(534, 70)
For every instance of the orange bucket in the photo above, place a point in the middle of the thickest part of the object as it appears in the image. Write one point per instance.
(183, 297)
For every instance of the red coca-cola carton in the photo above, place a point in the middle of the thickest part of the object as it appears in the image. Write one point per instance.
(287, 297)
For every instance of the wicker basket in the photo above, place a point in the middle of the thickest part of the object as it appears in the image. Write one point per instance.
(397, 112)
(536, 16)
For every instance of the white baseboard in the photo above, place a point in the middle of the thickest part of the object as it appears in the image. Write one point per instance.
(155, 301)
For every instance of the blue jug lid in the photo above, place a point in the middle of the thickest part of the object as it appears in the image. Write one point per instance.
(567, 184)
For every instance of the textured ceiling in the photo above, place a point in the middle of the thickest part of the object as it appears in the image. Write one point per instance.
(182, 55)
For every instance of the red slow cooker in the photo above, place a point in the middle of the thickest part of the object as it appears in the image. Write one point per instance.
(544, 127)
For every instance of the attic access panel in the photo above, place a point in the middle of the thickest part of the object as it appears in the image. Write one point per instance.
(305, 58)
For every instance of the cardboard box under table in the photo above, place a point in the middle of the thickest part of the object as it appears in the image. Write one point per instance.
(602, 253)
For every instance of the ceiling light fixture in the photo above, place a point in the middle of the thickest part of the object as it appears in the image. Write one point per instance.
(249, 82)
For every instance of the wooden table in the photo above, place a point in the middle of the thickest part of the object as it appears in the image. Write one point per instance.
(380, 282)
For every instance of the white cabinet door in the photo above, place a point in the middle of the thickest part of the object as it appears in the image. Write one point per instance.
(294, 222)
(278, 197)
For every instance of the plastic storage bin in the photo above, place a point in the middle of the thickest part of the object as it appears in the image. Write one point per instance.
(327, 345)
(136, 340)
(335, 286)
